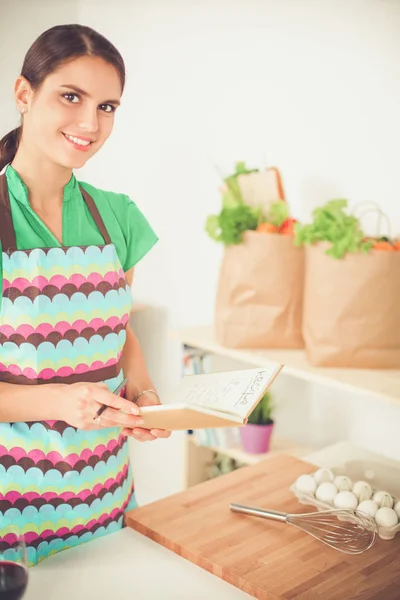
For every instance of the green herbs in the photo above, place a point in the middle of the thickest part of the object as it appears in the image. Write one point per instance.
(278, 213)
(228, 227)
(236, 217)
(333, 224)
(262, 413)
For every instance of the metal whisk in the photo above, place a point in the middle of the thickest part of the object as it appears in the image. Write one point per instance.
(344, 530)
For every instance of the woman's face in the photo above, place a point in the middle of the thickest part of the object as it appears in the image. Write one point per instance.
(71, 115)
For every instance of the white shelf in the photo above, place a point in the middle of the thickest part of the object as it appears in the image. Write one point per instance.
(278, 446)
(383, 384)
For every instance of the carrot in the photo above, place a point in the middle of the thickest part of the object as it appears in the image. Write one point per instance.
(383, 245)
(397, 244)
(267, 228)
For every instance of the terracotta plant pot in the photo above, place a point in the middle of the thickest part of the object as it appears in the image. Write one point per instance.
(256, 438)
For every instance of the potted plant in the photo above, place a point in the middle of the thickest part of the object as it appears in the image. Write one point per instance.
(256, 434)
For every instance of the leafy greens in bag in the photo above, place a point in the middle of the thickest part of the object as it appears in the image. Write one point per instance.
(331, 223)
(236, 217)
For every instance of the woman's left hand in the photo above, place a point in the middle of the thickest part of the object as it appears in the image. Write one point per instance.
(147, 435)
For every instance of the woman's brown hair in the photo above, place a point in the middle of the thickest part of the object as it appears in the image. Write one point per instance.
(51, 49)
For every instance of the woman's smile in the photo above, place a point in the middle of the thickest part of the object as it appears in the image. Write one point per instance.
(79, 143)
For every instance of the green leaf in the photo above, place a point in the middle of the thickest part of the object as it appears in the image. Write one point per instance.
(332, 223)
(228, 227)
(241, 169)
(213, 227)
(262, 413)
(233, 194)
(235, 221)
(278, 213)
(236, 217)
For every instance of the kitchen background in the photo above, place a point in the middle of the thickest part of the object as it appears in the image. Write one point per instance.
(310, 86)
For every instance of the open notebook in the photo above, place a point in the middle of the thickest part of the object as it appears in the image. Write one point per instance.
(223, 399)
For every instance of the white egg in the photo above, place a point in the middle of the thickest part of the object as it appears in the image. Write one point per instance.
(326, 491)
(323, 475)
(306, 484)
(342, 483)
(369, 507)
(362, 490)
(386, 517)
(397, 508)
(345, 499)
(383, 499)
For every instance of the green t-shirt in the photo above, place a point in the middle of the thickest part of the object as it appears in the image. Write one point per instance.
(128, 228)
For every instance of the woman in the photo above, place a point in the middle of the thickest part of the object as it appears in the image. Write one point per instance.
(67, 256)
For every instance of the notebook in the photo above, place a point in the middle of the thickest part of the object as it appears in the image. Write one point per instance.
(223, 399)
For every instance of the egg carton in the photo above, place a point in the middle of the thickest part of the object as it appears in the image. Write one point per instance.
(384, 532)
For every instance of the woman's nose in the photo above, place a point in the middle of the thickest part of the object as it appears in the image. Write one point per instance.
(88, 120)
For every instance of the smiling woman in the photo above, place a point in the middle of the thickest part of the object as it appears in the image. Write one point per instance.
(67, 253)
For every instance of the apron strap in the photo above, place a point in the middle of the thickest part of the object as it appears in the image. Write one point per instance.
(7, 232)
(94, 211)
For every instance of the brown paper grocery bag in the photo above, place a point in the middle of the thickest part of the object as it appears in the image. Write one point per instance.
(351, 311)
(262, 188)
(259, 297)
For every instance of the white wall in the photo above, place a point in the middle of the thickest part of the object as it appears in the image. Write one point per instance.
(21, 21)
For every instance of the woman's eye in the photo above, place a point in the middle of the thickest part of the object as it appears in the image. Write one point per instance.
(108, 108)
(74, 98)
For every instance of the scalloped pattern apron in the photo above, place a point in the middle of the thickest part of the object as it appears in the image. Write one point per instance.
(63, 318)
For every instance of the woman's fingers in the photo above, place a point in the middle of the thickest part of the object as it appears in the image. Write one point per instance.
(160, 433)
(104, 396)
(120, 413)
(142, 435)
(120, 419)
(145, 435)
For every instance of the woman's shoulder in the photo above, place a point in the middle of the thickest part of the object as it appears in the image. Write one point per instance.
(118, 202)
(127, 225)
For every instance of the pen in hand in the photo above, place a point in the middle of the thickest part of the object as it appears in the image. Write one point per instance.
(116, 392)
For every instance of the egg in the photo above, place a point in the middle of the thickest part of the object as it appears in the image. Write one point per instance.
(362, 490)
(323, 475)
(342, 483)
(369, 507)
(383, 499)
(386, 517)
(306, 484)
(345, 499)
(326, 491)
(397, 508)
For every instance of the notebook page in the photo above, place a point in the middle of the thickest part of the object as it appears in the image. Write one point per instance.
(235, 392)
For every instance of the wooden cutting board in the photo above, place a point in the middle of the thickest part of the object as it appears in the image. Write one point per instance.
(266, 559)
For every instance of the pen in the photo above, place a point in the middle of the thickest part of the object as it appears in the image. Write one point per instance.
(116, 392)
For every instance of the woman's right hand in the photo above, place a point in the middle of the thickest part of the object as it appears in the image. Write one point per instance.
(78, 403)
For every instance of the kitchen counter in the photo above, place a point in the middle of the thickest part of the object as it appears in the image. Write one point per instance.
(127, 564)
(121, 566)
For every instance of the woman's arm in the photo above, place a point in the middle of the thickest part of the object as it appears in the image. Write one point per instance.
(133, 363)
(27, 402)
(134, 367)
(77, 404)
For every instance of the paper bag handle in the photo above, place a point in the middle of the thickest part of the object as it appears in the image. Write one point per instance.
(368, 207)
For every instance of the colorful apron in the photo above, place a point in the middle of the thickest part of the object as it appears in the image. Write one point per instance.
(63, 317)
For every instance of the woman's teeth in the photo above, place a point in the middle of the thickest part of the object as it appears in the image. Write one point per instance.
(77, 140)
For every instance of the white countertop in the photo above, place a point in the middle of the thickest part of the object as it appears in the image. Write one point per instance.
(127, 565)
(124, 565)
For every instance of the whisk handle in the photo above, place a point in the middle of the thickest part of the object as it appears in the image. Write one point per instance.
(258, 512)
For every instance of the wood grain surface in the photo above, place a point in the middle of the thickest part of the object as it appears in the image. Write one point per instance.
(266, 559)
